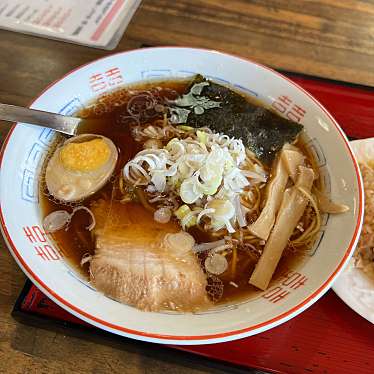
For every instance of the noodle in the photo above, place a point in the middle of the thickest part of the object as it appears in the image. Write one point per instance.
(143, 200)
(233, 262)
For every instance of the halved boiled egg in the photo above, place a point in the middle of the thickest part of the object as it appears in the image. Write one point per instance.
(80, 167)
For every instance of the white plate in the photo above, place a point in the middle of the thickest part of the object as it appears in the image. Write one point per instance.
(353, 286)
(26, 146)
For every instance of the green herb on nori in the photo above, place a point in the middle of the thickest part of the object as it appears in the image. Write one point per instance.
(262, 131)
(192, 100)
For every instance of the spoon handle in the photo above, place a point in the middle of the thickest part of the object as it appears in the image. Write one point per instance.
(65, 124)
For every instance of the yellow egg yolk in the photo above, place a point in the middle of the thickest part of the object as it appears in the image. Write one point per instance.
(85, 156)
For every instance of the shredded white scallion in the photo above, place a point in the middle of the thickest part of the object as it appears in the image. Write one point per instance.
(205, 168)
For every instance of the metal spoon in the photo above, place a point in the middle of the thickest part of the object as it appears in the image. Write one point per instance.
(65, 124)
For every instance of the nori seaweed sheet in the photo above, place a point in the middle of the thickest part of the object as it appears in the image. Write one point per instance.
(261, 130)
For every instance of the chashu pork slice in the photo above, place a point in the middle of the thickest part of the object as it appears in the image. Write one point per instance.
(143, 263)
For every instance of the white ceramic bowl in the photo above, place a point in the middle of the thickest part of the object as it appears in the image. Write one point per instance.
(26, 146)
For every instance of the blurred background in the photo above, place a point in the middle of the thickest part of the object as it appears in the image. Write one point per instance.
(327, 38)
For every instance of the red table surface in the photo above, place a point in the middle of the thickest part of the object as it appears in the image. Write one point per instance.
(328, 337)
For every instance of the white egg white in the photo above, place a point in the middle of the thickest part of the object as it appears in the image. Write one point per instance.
(68, 185)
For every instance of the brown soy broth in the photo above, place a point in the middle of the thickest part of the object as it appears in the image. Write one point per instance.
(246, 291)
(77, 241)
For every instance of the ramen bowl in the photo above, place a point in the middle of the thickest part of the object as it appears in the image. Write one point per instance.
(300, 285)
